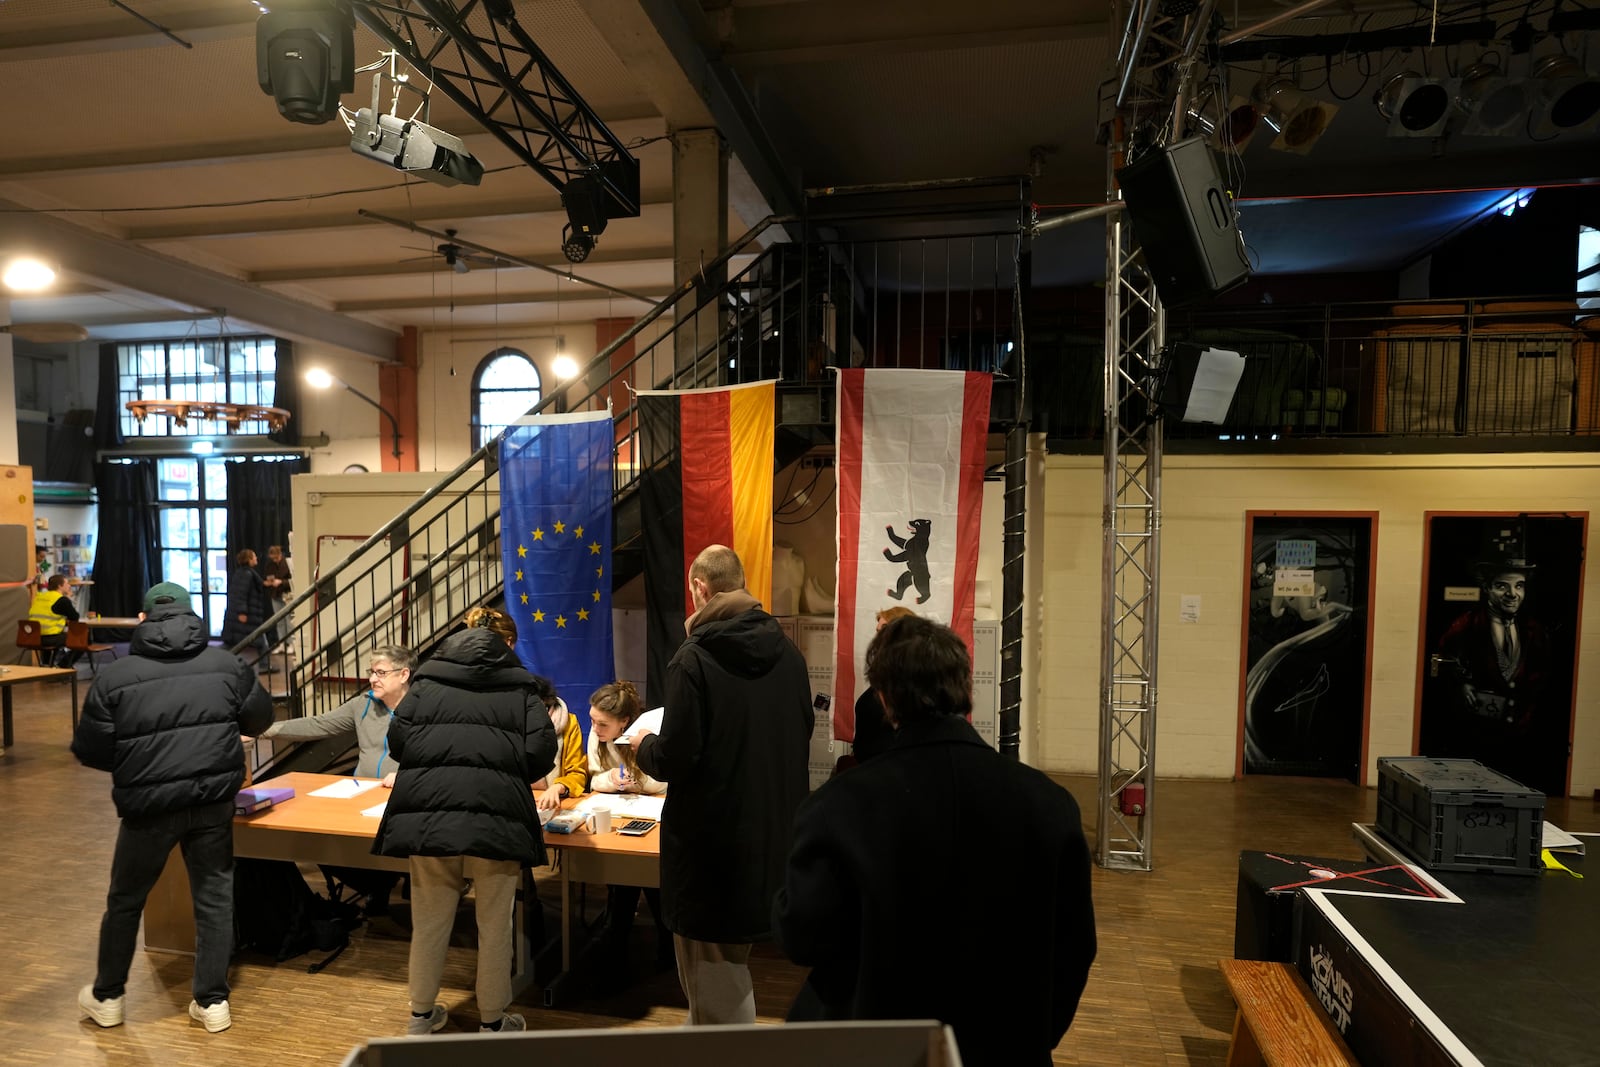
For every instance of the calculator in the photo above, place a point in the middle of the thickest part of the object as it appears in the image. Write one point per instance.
(637, 827)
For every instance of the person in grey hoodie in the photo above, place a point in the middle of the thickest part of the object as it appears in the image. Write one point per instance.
(366, 715)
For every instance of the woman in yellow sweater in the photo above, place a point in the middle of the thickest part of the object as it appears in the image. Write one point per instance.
(569, 777)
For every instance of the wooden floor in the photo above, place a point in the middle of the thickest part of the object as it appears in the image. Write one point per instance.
(1155, 995)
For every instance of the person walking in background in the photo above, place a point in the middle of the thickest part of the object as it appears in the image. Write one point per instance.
(276, 579)
(860, 904)
(247, 606)
(614, 768)
(472, 735)
(52, 608)
(165, 721)
(734, 744)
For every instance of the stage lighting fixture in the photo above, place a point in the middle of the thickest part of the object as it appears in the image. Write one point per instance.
(1223, 125)
(1569, 96)
(414, 147)
(1300, 120)
(1415, 106)
(1494, 104)
(575, 246)
(304, 58)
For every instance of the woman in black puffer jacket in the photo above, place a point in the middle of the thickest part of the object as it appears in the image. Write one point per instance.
(470, 737)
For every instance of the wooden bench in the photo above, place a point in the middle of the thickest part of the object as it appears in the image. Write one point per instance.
(1279, 1024)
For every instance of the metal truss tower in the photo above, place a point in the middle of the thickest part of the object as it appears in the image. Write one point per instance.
(1143, 108)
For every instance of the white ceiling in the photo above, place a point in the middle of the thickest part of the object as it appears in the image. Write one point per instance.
(168, 187)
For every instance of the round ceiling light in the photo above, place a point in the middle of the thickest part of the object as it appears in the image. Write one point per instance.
(26, 274)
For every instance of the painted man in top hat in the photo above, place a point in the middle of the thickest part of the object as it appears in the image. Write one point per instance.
(1499, 660)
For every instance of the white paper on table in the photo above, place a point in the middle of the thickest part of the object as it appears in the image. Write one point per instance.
(376, 811)
(1556, 839)
(345, 788)
(624, 805)
(650, 720)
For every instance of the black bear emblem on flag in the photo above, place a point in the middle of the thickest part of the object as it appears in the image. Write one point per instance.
(914, 556)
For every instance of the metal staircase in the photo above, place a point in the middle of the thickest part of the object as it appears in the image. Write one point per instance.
(788, 311)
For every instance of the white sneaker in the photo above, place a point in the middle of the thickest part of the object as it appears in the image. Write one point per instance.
(509, 1022)
(427, 1024)
(216, 1018)
(103, 1012)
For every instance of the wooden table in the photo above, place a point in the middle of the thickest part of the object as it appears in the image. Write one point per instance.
(329, 830)
(112, 622)
(13, 675)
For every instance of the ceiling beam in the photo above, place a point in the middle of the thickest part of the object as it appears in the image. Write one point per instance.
(128, 266)
(668, 55)
(432, 264)
(547, 296)
(466, 210)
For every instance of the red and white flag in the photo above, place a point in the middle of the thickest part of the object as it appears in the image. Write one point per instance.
(910, 477)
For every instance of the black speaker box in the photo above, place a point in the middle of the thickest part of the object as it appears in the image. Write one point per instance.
(1185, 222)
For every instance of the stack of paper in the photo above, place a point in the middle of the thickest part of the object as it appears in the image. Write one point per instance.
(346, 787)
(624, 805)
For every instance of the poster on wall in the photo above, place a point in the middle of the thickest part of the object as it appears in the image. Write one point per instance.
(1499, 642)
(1307, 643)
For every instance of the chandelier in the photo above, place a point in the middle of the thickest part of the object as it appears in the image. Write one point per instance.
(181, 411)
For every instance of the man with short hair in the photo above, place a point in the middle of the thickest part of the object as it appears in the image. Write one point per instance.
(891, 891)
(165, 721)
(734, 744)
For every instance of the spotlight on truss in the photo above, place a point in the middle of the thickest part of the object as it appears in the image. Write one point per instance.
(1495, 105)
(304, 58)
(1569, 96)
(575, 244)
(1298, 118)
(1225, 123)
(1414, 105)
(414, 147)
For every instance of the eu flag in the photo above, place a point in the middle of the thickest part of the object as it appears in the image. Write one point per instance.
(555, 537)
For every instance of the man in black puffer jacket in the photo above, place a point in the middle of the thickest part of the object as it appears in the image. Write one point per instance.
(166, 723)
(471, 736)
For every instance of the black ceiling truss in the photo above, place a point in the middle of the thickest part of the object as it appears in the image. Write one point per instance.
(503, 80)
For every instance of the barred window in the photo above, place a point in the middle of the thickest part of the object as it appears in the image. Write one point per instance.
(221, 370)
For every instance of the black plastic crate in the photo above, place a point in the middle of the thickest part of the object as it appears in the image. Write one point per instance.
(1458, 815)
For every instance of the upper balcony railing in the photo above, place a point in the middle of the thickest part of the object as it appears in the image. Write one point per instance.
(1482, 373)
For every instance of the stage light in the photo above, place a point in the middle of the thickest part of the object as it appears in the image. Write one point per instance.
(1569, 95)
(414, 147)
(304, 58)
(1224, 123)
(1494, 104)
(575, 246)
(1300, 120)
(1414, 105)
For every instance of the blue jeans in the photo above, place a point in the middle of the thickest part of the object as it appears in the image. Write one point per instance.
(205, 834)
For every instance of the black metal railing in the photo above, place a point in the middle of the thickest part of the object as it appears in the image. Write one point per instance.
(1500, 370)
(788, 312)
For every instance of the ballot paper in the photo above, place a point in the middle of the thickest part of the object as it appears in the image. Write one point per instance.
(346, 787)
(1556, 839)
(650, 720)
(374, 812)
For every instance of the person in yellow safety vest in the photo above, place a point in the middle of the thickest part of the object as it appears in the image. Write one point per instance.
(52, 609)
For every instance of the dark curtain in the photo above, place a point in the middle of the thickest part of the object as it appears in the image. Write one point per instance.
(258, 504)
(286, 395)
(127, 553)
(107, 412)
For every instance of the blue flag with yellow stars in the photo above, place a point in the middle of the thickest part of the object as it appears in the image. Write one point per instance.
(555, 536)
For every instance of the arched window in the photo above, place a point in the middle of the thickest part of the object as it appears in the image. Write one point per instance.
(504, 387)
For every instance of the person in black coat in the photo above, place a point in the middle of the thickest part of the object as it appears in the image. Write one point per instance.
(875, 899)
(734, 745)
(165, 721)
(471, 736)
(247, 604)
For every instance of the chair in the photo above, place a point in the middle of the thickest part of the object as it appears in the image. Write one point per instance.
(78, 641)
(30, 638)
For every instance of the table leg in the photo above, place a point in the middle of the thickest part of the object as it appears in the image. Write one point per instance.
(74, 698)
(5, 728)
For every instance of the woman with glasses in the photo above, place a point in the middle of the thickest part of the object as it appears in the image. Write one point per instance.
(366, 715)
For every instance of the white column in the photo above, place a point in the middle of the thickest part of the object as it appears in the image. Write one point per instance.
(699, 226)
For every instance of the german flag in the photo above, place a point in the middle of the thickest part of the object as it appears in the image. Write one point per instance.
(707, 480)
